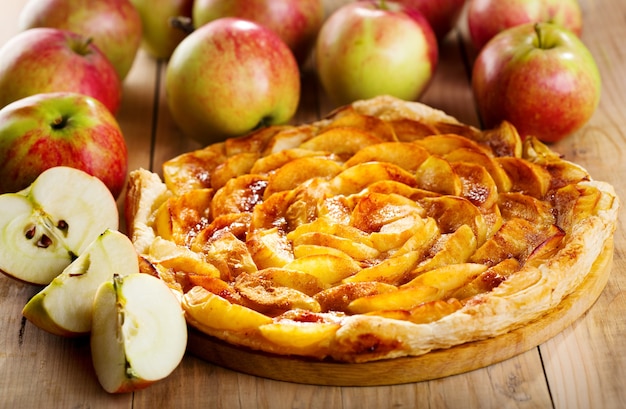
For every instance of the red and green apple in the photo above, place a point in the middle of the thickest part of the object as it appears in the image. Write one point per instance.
(231, 76)
(60, 129)
(296, 22)
(114, 25)
(370, 48)
(538, 76)
(486, 18)
(41, 60)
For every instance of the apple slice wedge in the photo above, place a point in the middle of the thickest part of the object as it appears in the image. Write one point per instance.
(64, 307)
(139, 332)
(44, 227)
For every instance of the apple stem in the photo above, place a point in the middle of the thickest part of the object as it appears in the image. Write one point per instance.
(59, 122)
(539, 38)
(185, 24)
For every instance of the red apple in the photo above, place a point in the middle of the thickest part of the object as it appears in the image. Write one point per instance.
(486, 18)
(441, 14)
(42, 60)
(160, 37)
(231, 76)
(538, 76)
(370, 48)
(60, 129)
(296, 22)
(114, 25)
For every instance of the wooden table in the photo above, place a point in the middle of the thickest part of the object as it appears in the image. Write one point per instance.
(582, 367)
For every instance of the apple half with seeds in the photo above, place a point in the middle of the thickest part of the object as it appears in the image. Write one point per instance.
(139, 332)
(65, 306)
(46, 226)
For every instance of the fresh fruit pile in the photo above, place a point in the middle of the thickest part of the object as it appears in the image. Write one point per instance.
(233, 67)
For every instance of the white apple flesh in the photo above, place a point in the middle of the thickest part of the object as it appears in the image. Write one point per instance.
(49, 224)
(139, 333)
(65, 306)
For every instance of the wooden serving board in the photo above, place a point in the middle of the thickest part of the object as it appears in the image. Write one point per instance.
(436, 364)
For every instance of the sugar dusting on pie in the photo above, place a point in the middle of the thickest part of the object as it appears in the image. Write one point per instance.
(387, 229)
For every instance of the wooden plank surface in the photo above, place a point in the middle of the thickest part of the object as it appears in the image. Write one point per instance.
(582, 367)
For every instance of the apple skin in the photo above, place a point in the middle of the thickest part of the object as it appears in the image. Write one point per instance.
(486, 18)
(231, 76)
(60, 129)
(160, 38)
(41, 60)
(547, 88)
(114, 25)
(296, 22)
(441, 14)
(368, 48)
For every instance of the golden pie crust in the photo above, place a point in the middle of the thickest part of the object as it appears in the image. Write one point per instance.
(387, 229)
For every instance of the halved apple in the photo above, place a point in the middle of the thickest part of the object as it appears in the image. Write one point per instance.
(65, 306)
(49, 224)
(139, 333)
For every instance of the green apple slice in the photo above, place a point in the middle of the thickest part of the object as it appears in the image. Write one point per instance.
(139, 333)
(47, 225)
(64, 307)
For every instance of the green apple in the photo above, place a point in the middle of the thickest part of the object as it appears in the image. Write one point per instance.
(540, 77)
(371, 48)
(114, 25)
(49, 224)
(139, 333)
(486, 18)
(231, 76)
(160, 37)
(60, 129)
(64, 307)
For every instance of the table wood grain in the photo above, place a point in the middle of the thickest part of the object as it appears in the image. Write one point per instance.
(584, 366)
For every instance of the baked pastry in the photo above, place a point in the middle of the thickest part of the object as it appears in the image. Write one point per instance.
(387, 229)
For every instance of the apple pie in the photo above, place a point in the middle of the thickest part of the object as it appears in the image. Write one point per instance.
(386, 229)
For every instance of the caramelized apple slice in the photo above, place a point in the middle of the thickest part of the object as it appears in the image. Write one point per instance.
(338, 297)
(233, 167)
(375, 210)
(298, 280)
(526, 177)
(301, 336)
(269, 248)
(343, 141)
(268, 298)
(488, 279)
(211, 310)
(354, 249)
(328, 268)
(408, 156)
(358, 177)
(478, 185)
(516, 238)
(453, 212)
(181, 217)
(192, 170)
(390, 270)
(298, 171)
(448, 278)
(436, 174)
(403, 299)
(371, 124)
(451, 248)
(239, 195)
